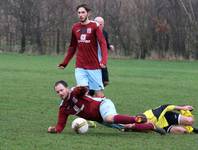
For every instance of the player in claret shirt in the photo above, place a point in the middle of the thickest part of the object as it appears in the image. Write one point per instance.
(102, 110)
(85, 37)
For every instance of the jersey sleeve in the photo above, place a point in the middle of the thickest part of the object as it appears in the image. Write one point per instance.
(166, 108)
(62, 120)
(103, 45)
(170, 107)
(71, 50)
(79, 91)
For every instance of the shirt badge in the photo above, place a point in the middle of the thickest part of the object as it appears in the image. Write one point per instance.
(89, 30)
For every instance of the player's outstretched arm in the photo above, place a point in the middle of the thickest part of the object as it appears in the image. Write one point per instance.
(62, 120)
(185, 107)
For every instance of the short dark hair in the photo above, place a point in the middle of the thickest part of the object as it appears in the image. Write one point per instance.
(61, 82)
(85, 6)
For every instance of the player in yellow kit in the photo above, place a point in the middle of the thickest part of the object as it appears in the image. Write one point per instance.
(172, 118)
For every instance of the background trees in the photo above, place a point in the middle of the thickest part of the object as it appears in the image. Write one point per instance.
(160, 29)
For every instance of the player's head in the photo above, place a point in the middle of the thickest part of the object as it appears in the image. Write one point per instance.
(61, 88)
(83, 12)
(100, 20)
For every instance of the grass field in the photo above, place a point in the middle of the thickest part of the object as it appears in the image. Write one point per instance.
(28, 104)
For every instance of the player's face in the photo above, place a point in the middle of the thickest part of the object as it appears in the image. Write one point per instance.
(82, 14)
(100, 21)
(61, 91)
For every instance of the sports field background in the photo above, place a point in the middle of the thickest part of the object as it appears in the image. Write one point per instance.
(28, 104)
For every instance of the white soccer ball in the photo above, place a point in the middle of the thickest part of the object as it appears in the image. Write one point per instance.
(80, 125)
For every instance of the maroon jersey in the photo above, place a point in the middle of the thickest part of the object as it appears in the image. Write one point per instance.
(84, 40)
(77, 103)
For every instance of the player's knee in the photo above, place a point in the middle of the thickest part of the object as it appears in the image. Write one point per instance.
(190, 121)
(99, 93)
(108, 119)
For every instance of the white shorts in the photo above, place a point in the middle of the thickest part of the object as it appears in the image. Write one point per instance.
(107, 108)
(90, 78)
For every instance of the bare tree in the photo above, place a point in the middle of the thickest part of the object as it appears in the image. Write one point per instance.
(138, 28)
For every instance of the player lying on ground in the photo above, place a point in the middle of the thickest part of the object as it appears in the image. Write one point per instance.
(102, 110)
(172, 118)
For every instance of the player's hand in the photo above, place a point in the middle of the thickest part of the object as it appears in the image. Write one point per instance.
(102, 65)
(187, 107)
(61, 66)
(51, 129)
(112, 48)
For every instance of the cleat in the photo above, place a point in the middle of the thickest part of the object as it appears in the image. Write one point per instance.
(140, 118)
(159, 130)
(195, 130)
(91, 124)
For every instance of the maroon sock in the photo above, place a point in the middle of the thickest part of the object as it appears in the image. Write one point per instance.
(123, 119)
(143, 127)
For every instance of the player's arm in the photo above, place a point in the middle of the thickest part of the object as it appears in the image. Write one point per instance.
(106, 36)
(62, 120)
(71, 51)
(170, 107)
(109, 46)
(103, 46)
(161, 110)
(185, 107)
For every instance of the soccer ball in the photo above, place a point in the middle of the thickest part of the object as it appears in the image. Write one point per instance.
(80, 125)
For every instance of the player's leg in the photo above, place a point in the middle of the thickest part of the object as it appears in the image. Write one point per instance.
(178, 123)
(120, 127)
(99, 93)
(105, 76)
(95, 82)
(177, 129)
(125, 122)
(81, 77)
(189, 128)
(109, 114)
(186, 121)
(144, 127)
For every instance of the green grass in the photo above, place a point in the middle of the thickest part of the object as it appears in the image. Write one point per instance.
(28, 104)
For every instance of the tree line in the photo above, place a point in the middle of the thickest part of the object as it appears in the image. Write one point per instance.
(156, 29)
